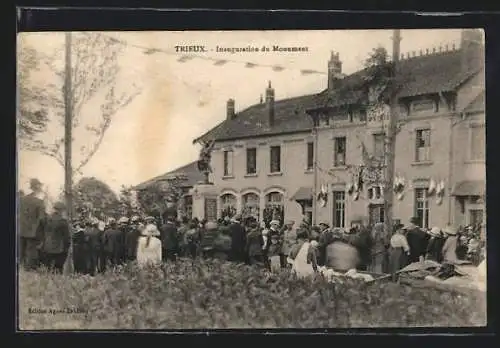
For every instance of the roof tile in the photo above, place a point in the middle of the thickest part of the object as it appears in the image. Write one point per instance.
(439, 72)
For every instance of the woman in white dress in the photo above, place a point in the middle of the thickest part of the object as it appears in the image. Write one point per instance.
(149, 246)
(298, 256)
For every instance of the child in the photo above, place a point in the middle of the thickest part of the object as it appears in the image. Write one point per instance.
(273, 253)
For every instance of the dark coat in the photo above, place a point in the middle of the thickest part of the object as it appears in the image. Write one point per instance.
(93, 237)
(113, 240)
(417, 240)
(434, 248)
(169, 236)
(238, 238)
(31, 217)
(56, 236)
(255, 241)
(132, 235)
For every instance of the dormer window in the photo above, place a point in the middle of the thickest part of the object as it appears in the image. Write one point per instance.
(423, 105)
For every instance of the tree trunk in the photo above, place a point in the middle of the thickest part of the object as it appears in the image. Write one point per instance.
(68, 139)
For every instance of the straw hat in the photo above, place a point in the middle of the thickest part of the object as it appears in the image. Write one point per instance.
(123, 220)
(324, 223)
(435, 231)
(450, 230)
(149, 219)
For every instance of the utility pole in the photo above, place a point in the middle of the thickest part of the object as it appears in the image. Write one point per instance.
(68, 141)
(315, 173)
(390, 139)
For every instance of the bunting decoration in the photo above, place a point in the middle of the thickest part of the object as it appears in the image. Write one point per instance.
(323, 196)
(217, 62)
(399, 187)
(432, 187)
(440, 192)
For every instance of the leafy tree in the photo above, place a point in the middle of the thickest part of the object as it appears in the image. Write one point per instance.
(92, 197)
(159, 196)
(128, 204)
(94, 72)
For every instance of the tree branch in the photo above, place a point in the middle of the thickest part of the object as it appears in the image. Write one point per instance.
(50, 151)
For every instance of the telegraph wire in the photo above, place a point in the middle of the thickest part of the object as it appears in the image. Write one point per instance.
(216, 61)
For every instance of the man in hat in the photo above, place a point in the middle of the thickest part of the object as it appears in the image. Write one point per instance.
(238, 240)
(31, 220)
(55, 240)
(131, 237)
(113, 244)
(93, 238)
(79, 247)
(169, 239)
(417, 240)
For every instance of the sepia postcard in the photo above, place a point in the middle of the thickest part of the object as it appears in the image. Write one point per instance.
(251, 179)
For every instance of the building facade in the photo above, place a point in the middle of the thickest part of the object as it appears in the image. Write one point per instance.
(264, 157)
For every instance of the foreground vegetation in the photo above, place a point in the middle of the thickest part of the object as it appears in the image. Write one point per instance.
(191, 295)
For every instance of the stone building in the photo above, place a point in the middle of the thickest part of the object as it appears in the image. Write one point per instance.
(264, 154)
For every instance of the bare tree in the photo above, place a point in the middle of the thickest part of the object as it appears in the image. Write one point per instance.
(32, 101)
(94, 72)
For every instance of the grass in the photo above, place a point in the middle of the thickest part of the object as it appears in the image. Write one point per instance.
(201, 295)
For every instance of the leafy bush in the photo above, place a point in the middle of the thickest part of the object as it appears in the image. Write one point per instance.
(213, 294)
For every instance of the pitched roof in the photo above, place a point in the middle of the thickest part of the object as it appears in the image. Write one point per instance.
(477, 104)
(190, 171)
(437, 72)
(253, 121)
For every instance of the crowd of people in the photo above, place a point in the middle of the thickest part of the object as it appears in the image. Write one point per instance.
(46, 240)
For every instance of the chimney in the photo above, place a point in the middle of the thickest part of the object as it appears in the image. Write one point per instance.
(472, 49)
(230, 109)
(334, 70)
(270, 104)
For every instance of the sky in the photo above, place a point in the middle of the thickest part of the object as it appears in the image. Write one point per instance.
(179, 101)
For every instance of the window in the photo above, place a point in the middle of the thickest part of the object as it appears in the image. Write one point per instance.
(310, 156)
(478, 144)
(251, 205)
(274, 209)
(340, 151)
(475, 217)
(338, 209)
(423, 145)
(379, 145)
(423, 105)
(252, 161)
(228, 163)
(275, 159)
(376, 213)
(228, 205)
(422, 207)
(308, 210)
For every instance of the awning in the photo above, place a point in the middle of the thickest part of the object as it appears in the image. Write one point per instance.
(302, 194)
(469, 188)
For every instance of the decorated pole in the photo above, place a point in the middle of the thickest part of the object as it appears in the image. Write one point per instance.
(390, 139)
